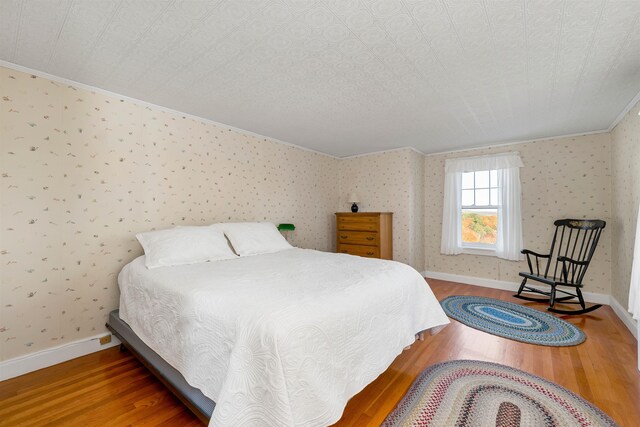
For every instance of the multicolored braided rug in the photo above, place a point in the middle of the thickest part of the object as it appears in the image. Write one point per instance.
(512, 321)
(470, 393)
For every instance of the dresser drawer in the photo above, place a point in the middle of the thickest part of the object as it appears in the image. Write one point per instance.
(362, 223)
(366, 234)
(358, 237)
(365, 251)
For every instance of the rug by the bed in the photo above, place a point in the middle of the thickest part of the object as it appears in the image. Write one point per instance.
(513, 321)
(472, 393)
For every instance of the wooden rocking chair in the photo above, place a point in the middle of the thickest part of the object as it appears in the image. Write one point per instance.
(570, 258)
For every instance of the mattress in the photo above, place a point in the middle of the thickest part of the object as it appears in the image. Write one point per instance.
(279, 339)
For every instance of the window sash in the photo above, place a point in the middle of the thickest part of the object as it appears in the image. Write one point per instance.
(478, 245)
(471, 189)
(479, 193)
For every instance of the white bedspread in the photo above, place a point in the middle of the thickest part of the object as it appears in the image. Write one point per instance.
(281, 339)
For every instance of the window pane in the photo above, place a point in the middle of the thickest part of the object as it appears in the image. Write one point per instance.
(479, 226)
(482, 179)
(467, 180)
(494, 197)
(494, 178)
(482, 197)
(467, 197)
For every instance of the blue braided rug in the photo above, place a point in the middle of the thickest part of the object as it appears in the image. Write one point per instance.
(513, 321)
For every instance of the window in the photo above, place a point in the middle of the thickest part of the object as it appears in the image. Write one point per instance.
(479, 213)
(482, 206)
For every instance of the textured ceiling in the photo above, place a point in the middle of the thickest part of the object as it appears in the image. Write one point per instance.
(349, 76)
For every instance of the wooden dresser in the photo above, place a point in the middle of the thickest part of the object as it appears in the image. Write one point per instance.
(367, 234)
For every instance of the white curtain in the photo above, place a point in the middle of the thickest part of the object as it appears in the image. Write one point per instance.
(509, 241)
(634, 289)
(451, 243)
(509, 236)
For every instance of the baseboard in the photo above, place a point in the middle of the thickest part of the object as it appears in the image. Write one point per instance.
(592, 297)
(624, 316)
(504, 285)
(42, 359)
(52, 356)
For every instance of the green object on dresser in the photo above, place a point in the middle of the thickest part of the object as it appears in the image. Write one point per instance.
(286, 227)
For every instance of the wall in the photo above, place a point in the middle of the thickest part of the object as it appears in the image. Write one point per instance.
(389, 182)
(561, 178)
(417, 207)
(625, 162)
(83, 172)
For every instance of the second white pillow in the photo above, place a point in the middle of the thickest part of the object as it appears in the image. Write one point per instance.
(254, 238)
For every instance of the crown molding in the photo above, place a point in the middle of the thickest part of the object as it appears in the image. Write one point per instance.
(13, 66)
(624, 112)
(374, 153)
(142, 103)
(507, 144)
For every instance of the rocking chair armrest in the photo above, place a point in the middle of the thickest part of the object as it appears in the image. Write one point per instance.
(528, 252)
(564, 259)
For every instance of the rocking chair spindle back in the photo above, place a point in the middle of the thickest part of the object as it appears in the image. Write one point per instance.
(572, 247)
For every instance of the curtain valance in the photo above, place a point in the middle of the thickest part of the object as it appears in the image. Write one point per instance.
(483, 163)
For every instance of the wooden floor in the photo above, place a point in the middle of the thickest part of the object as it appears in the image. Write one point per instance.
(112, 388)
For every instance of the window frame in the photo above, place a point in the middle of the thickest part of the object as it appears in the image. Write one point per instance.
(477, 248)
(509, 237)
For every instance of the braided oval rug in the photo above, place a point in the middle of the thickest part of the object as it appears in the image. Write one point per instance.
(513, 321)
(470, 393)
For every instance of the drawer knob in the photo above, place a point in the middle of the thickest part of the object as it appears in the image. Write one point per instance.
(343, 236)
(369, 253)
(369, 238)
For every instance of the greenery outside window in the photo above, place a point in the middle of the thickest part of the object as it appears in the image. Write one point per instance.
(479, 213)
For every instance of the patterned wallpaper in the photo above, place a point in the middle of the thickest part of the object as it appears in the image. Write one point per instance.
(625, 158)
(417, 209)
(561, 178)
(83, 172)
(389, 182)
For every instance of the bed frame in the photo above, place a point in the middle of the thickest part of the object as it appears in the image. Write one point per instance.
(192, 397)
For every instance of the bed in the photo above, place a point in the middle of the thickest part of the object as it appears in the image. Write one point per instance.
(283, 338)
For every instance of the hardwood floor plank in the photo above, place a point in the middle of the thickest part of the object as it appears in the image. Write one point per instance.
(93, 412)
(49, 406)
(87, 366)
(111, 388)
(26, 395)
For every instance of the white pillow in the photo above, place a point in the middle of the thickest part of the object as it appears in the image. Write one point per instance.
(253, 238)
(184, 245)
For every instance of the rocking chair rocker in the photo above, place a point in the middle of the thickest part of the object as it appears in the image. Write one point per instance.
(572, 256)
